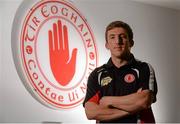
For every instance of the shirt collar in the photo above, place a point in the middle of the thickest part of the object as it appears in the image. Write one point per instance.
(130, 62)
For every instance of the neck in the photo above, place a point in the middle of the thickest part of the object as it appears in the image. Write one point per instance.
(118, 62)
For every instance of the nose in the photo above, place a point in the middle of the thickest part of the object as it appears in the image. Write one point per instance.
(120, 40)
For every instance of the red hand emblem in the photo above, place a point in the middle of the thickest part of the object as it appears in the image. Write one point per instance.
(62, 66)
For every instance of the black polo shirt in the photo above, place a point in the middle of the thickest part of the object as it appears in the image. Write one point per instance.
(108, 80)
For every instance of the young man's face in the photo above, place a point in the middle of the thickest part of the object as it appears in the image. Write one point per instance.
(118, 42)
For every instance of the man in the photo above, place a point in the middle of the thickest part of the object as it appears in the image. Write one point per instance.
(123, 89)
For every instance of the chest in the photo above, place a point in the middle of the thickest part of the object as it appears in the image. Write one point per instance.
(119, 82)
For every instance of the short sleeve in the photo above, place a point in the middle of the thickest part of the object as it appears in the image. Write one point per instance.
(93, 89)
(148, 79)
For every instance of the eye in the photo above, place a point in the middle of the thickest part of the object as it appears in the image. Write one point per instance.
(123, 36)
(111, 37)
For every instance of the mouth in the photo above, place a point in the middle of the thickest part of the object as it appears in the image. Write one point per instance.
(119, 47)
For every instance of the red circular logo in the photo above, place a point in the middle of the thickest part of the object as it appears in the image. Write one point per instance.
(129, 78)
(58, 52)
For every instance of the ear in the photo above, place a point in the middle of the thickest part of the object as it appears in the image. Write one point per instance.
(107, 45)
(131, 43)
(129, 48)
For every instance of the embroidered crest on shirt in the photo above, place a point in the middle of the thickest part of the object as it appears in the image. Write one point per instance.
(105, 81)
(129, 78)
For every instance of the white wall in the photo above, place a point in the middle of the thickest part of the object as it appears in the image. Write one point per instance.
(1, 114)
(179, 61)
(156, 41)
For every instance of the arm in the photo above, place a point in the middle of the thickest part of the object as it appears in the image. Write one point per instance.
(97, 112)
(131, 103)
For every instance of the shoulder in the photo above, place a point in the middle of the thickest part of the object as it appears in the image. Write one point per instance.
(143, 66)
(95, 76)
(98, 70)
(147, 66)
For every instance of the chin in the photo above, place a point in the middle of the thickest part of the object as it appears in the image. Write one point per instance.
(119, 56)
(120, 53)
(123, 55)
